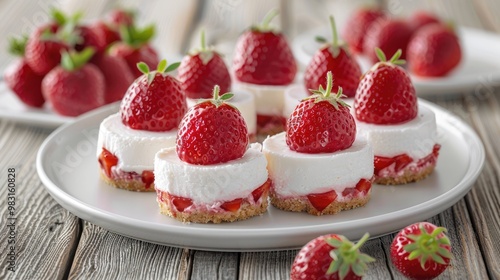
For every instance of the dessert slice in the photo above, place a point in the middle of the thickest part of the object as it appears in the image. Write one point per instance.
(402, 132)
(212, 175)
(147, 122)
(318, 166)
(264, 65)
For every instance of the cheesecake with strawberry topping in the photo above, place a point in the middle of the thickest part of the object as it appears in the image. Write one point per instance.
(212, 175)
(318, 165)
(149, 115)
(264, 65)
(403, 132)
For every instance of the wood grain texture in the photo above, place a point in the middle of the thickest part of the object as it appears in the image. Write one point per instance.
(214, 265)
(266, 265)
(46, 234)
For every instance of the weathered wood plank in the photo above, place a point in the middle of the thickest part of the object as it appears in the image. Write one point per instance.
(46, 234)
(105, 255)
(214, 265)
(266, 265)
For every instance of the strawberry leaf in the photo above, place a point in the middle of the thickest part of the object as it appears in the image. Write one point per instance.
(172, 67)
(74, 60)
(162, 66)
(227, 96)
(143, 67)
(17, 45)
(380, 54)
(264, 26)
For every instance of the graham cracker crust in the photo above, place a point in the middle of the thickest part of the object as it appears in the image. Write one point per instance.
(303, 205)
(130, 185)
(246, 211)
(408, 177)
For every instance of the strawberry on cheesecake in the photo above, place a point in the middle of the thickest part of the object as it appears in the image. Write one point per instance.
(149, 115)
(204, 68)
(212, 175)
(402, 132)
(264, 65)
(319, 166)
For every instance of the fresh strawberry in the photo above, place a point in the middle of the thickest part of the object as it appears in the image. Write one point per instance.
(357, 25)
(107, 34)
(121, 17)
(21, 79)
(331, 256)
(154, 101)
(117, 76)
(434, 51)
(75, 86)
(258, 192)
(421, 251)
(321, 123)
(201, 70)
(148, 178)
(180, 203)
(381, 163)
(420, 19)
(364, 186)
(263, 56)
(335, 58)
(107, 160)
(233, 205)
(402, 161)
(43, 50)
(212, 132)
(386, 94)
(89, 38)
(321, 200)
(135, 48)
(389, 35)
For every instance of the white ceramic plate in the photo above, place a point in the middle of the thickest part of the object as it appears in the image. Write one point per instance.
(478, 72)
(68, 168)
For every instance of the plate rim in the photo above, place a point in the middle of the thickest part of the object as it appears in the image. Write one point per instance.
(105, 218)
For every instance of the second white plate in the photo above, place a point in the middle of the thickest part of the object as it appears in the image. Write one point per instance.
(68, 168)
(477, 73)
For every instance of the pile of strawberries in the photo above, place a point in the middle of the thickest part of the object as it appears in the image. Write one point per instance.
(77, 67)
(430, 45)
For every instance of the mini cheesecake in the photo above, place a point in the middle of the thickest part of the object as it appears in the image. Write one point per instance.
(245, 102)
(404, 152)
(319, 184)
(225, 192)
(132, 151)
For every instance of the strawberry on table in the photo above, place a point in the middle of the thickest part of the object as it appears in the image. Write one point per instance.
(434, 51)
(21, 79)
(321, 123)
(154, 101)
(386, 94)
(336, 58)
(421, 251)
(135, 47)
(212, 132)
(121, 17)
(201, 70)
(331, 257)
(357, 25)
(75, 86)
(108, 34)
(263, 56)
(420, 19)
(43, 49)
(389, 35)
(117, 75)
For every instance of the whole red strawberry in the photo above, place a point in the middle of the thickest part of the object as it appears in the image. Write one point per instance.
(135, 48)
(421, 251)
(212, 132)
(263, 56)
(117, 76)
(337, 59)
(389, 35)
(357, 25)
(75, 86)
(121, 17)
(107, 33)
(434, 51)
(43, 50)
(321, 123)
(21, 79)
(331, 256)
(386, 94)
(201, 70)
(421, 18)
(154, 101)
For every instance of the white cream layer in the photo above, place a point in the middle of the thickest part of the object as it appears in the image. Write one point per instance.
(269, 100)
(245, 102)
(135, 149)
(296, 174)
(210, 184)
(295, 93)
(415, 138)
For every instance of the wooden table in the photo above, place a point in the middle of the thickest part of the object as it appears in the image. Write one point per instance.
(54, 244)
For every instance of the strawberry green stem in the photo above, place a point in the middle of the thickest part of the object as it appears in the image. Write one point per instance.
(203, 42)
(329, 84)
(268, 18)
(217, 99)
(394, 59)
(73, 60)
(427, 246)
(361, 242)
(334, 32)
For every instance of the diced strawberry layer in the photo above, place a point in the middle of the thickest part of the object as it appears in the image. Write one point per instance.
(363, 186)
(148, 178)
(257, 193)
(403, 160)
(180, 203)
(107, 160)
(322, 200)
(233, 205)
